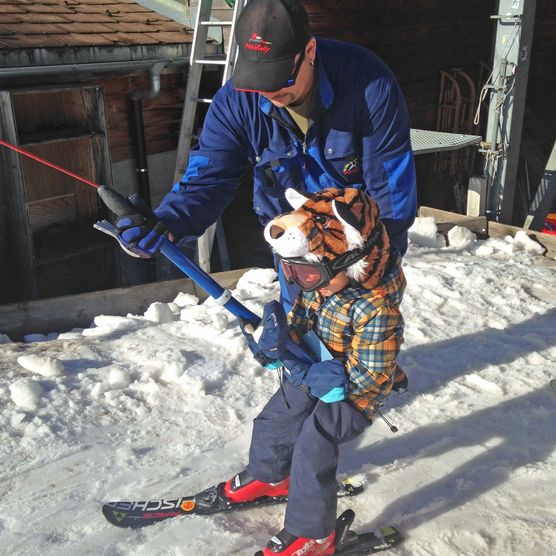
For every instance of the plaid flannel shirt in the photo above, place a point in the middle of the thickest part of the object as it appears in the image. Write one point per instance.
(365, 328)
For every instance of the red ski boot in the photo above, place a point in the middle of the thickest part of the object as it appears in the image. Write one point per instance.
(285, 544)
(243, 488)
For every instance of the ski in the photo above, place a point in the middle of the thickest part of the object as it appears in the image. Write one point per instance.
(136, 514)
(350, 543)
(359, 544)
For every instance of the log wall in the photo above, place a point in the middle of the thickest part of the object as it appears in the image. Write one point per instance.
(161, 115)
(416, 39)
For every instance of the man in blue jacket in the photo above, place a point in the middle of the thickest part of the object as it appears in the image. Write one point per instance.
(303, 112)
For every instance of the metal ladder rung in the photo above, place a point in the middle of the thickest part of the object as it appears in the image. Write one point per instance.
(211, 62)
(192, 136)
(203, 22)
(216, 23)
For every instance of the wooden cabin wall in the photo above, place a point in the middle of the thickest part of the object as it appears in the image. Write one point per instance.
(416, 39)
(161, 115)
(7, 279)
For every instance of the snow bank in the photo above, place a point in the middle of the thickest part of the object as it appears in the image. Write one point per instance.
(41, 365)
(461, 237)
(26, 394)
(424, 233)
(159, 313)
(159, 407)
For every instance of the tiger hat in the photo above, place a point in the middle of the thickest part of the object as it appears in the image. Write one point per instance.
(329, 223)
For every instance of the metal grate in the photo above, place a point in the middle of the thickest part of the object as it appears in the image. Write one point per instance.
(424, 141)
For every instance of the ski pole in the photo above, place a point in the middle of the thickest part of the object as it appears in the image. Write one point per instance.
(120, 206)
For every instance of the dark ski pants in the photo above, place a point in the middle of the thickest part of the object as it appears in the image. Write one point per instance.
(302, 442)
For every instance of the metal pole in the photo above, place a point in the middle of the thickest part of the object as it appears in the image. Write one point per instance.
(514, 35)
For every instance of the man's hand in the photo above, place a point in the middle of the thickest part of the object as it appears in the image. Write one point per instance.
(140, 234)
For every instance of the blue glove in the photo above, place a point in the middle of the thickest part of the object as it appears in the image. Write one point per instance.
(325, 380)
(272, 341)
(140, 234)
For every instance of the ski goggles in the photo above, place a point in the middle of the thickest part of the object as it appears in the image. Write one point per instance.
(312, 275)
(308, 275)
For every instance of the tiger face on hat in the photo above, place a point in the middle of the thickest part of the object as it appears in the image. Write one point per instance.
(329, 223)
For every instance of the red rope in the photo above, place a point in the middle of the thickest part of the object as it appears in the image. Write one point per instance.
(49, 164)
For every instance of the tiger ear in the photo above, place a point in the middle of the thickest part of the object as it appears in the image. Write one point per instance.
(295, 198)
(345, 215)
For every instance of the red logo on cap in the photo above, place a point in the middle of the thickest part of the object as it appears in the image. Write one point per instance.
(256, 42)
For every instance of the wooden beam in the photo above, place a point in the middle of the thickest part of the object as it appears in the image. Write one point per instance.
(548, 241)
(446, 220)
(13, 182)
(60, 314)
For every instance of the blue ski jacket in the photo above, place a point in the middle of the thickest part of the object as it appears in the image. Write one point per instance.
(358, 137)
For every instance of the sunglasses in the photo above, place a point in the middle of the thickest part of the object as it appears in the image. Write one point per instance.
(292, 78)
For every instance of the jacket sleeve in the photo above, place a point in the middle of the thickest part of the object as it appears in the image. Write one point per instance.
(387, 157)
(213, 174)
(377, 338)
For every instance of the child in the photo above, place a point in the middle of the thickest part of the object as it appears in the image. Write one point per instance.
(334, 246)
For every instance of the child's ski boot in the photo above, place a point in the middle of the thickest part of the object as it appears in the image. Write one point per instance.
(244, 488)
(285, 544)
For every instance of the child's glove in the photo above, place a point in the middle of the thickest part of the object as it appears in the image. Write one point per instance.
(274, 323)
(325, 380)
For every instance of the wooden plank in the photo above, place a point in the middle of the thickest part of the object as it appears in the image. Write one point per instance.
(548, 241)
(65, 260)
(67, 108)
(446, 220)
(42, 182)
(476, 196)
(67, 312)
(12, 182)
(90, 269)
(69, 241)
(47, 212)
(52, 136)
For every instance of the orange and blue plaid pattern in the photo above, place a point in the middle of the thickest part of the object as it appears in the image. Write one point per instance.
(365, 328)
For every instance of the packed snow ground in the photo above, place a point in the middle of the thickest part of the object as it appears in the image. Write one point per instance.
(161, 405)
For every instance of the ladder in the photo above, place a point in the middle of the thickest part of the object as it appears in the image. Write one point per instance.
(197, 62)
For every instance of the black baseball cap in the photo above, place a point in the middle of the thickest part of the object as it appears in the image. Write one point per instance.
(269, 34)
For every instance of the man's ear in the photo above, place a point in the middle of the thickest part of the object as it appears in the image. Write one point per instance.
(311, 50)
(295, 198)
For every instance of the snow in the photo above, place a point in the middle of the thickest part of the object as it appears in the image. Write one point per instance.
(161, 405)
(41, 365)
(26, 393)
